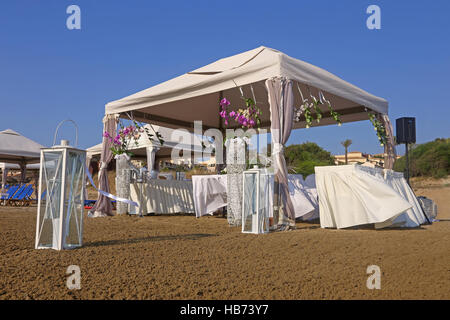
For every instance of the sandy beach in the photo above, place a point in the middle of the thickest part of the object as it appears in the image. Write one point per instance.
(181, 257)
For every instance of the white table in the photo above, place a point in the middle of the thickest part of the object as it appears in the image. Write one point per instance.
(209, 192)
(162, 197)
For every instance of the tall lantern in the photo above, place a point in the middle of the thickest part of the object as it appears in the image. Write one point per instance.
(257, 201)
(61, 197)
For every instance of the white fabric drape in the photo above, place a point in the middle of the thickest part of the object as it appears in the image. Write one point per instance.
(151, 153)
(281, 101)
(210, 193)
(350, 196)
(304, 197)
(162, 197)
(411, 218)
(103, 206)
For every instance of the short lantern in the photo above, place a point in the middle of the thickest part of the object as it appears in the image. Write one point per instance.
(256, 200)
(61, 201)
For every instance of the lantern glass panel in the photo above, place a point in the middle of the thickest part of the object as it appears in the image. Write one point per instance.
(73, 199)
(265, 203)
(49, 219)
(249, 201)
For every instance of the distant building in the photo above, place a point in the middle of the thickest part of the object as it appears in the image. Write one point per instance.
(376, 160)
(210, 164)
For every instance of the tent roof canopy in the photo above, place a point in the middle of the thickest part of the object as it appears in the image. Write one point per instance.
(195, 95)
(15, 148)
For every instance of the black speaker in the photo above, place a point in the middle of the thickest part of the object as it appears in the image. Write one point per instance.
(406, 130)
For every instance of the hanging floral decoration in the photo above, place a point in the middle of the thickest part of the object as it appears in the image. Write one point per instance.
(121, 142)
(130, 134)
(307, 107)
(248, 117)
(378, 127)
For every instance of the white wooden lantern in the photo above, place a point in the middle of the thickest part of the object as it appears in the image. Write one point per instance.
(256, 200)
(61, 198)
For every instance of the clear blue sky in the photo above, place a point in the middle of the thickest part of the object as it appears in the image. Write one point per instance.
(49, 73)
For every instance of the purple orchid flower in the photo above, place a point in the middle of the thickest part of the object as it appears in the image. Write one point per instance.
(224, 102)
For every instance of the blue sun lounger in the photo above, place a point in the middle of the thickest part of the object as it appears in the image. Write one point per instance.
(9, 193)
(26, 199)
(19, 194)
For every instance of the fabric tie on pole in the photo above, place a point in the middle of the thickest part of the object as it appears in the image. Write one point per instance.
(107, 194)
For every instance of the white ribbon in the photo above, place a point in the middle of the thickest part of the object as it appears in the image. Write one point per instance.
(106, 194)
(103, 165)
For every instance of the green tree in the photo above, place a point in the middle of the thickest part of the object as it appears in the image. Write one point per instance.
(302, 158)
(431, 159)
(346, 144)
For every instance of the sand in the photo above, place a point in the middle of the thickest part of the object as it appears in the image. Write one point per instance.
(181, 257)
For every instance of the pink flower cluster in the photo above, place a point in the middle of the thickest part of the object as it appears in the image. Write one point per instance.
(246, 118)
(124, 135)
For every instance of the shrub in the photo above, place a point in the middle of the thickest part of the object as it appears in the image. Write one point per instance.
(302, 158)
(431, 159)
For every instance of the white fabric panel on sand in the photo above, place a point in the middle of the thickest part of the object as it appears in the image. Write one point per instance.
(210, 193)
(163, 197)
(349, 197)
(410, 218)
(310, 189)
(303, 199)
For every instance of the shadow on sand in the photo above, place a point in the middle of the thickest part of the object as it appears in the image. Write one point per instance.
(194, 236)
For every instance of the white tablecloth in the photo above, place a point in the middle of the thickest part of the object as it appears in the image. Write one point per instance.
(353, 195)
(209, 192)
(413, 217)
(163, 196)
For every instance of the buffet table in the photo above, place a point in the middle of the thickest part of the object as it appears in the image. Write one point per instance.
(162, 197)
(342, 196)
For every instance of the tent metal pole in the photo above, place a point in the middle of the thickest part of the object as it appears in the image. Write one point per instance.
(407, 163)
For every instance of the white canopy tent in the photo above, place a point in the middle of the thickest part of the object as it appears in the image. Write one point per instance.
(14, 166)
(275, 81)
(195, 95)
(15, 148)
(17, 151)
